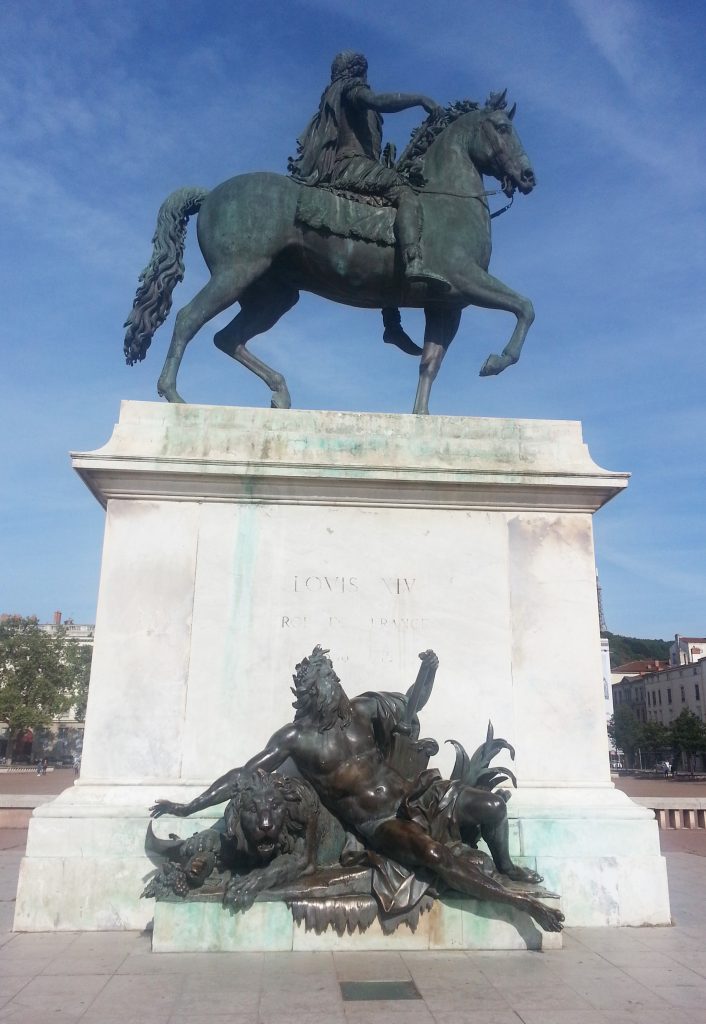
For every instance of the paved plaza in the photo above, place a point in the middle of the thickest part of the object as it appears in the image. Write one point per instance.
(642, 976)
(28, 783)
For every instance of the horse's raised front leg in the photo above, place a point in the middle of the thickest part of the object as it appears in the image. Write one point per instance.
(440, 330)
(261, 306)
(220, 292)
(485, 290)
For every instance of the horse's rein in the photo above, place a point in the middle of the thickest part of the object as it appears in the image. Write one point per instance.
(476, 195)
(438, 192)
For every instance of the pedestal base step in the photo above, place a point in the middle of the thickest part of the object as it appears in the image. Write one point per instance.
(198, 927)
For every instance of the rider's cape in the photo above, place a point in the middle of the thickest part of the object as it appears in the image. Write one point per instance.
(317, 146)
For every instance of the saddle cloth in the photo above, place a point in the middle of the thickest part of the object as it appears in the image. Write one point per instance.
(328, 212)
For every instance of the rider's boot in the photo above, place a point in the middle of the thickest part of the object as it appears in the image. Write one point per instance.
(394, 333)
(414, 270)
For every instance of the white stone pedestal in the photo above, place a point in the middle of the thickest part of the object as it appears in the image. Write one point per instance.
(236, 539)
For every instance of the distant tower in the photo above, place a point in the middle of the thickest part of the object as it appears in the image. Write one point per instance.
(601, 617)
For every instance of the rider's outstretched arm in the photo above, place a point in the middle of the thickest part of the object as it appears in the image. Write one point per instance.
(392, 102)
(272, 757)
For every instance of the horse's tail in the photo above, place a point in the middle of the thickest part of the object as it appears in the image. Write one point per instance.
(163, 272)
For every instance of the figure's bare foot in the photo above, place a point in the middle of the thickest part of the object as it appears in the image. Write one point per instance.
(397, 336)
(517, 874)
(548, 918)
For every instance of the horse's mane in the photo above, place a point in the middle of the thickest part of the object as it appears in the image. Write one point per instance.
(410, 163)
(428, 131)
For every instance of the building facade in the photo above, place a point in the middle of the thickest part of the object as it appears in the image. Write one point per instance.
(628, 686)
(629, 692)
(686, 650)
(675, 689)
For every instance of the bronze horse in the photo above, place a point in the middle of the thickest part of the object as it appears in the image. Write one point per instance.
(261, 255)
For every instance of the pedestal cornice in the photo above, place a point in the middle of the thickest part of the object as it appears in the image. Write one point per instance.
(217, 453)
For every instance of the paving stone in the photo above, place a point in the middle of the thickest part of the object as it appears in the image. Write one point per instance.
(602, 976)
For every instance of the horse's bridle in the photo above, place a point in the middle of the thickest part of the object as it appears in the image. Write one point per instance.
(471, 195)
(495, 151)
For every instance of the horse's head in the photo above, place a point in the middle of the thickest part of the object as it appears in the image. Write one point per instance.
(497, 149)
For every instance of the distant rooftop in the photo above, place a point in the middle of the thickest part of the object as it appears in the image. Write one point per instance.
(639, 667)
(71, 628)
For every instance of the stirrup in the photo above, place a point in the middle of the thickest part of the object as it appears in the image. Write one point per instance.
(415, 271)
(416, 274)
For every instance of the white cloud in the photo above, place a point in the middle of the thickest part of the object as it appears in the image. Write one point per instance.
(46, 210)
(615, 29)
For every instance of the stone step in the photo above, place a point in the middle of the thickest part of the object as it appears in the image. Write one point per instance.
(204, 926)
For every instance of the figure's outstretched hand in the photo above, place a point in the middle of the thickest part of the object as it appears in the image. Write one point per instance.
(161, 807)
(432, 108)
(429, 659)
(429, 746)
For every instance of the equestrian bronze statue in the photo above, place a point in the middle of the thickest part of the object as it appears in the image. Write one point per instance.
(363, 768)
(349, 224)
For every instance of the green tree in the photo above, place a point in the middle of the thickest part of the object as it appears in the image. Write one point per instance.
(689, 735)
(79, 657)
(38, 675)
(626, 733)
(656, 738)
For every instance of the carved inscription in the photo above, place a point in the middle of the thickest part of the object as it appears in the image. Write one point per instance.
(325, 584)
(399, 584)
(371, 590)
(346, 584)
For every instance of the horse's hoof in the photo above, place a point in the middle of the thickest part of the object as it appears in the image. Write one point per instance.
(491, 366)
(280, 400)
(171, 395)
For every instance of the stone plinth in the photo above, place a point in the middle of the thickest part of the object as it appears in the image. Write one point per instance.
(236, 539)
(204, 927)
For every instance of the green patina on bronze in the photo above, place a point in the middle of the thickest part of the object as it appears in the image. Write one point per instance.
(349, 225)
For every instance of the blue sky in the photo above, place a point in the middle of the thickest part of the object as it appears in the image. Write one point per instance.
(105, 109)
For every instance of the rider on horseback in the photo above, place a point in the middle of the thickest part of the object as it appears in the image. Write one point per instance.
(340, 148)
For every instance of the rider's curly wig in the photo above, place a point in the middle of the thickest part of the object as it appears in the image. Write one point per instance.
(348, 64)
